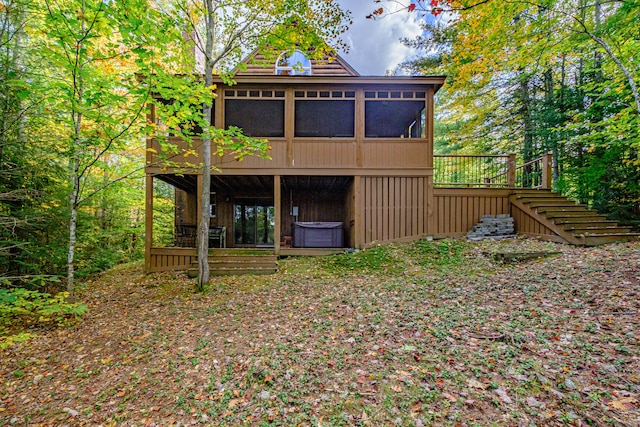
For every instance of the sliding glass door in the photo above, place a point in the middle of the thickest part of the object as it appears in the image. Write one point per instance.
(254, 221)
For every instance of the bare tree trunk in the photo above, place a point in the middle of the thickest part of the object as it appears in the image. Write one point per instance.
(73, 222)
(205, 197)
(74, 162)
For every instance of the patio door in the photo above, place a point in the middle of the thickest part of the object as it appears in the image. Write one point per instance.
(253, 222)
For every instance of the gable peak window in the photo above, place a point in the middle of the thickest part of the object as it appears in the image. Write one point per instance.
(293, 64)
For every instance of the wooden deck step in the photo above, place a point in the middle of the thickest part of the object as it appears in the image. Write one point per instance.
(568, 225)
(571, 214)
(598, 230)
(572, 222)
(550, 209)
(225, 262)
(539, 195)
(603, 239)
(555, 202)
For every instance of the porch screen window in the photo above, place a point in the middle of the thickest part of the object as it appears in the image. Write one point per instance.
(393, 119)
(259, 118)
(325, 118)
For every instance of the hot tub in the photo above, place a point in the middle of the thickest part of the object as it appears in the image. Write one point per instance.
(318, 234)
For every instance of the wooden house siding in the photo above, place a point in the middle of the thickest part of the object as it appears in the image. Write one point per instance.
(167, 259)
(300, 155)
(258, 65)
(394, 208)
(525, 224)
(340, 152)
(456, 210)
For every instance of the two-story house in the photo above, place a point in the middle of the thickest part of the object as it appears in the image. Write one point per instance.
(351, 165)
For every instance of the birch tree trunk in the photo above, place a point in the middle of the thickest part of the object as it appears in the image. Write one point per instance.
(74, 162)
(205, 197)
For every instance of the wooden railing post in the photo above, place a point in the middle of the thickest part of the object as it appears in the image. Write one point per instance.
(547, 171)
(511, 171)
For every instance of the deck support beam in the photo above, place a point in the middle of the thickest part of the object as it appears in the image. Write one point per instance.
(358, 208)
(148, 222)
(277, 203)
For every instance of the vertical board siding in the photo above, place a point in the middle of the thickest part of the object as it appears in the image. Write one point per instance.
(457, 210)
(278, 154)
(165, 259)
(389, 154)
(394, 208)
(325, 154)
(525, 224)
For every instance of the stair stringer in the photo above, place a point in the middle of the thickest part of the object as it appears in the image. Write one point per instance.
(560, 234)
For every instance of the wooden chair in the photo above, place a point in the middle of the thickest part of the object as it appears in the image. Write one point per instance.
(218, 234)
(185, 236)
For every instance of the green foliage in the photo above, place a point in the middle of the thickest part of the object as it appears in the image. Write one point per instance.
(376, 259)
(395, 259)
(22, 308)
(448, 252)
(530, 80)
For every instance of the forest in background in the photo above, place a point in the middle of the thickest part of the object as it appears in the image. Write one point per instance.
(537, 77)
(76, 79)
(524, 77)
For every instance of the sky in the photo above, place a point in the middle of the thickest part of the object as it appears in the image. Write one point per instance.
(375, 46)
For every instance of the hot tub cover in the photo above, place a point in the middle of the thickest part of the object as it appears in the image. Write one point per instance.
(307, 224)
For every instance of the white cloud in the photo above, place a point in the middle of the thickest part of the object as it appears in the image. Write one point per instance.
(375, 46)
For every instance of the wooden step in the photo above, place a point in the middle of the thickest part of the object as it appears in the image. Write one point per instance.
(214, 264)
(558, 203)
(549, 209)
(193, 272)
(539, 195)
(242, 271)
(579, 224)
(610, 238)
(598, 230)
(573, 222)
(225, 262)
(571, 214)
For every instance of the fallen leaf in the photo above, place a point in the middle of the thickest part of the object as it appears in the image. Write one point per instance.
(625, 404)
(476, 384)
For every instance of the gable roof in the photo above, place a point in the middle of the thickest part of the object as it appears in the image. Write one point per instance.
(258, 65)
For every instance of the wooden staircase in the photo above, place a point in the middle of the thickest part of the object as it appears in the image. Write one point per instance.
(565, 220)
(225, 262)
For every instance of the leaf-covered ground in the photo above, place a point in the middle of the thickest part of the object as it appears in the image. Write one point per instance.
(430, 333)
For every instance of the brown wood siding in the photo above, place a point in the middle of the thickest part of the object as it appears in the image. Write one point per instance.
(528, 225)
(166, 259)
(456, 210)
(258, 65)
(350, 219)
(278, 154)
(394, 208)
(324, 154)
(393, 154)
(186, 205)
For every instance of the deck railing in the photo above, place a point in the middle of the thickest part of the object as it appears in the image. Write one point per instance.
(498, 171)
